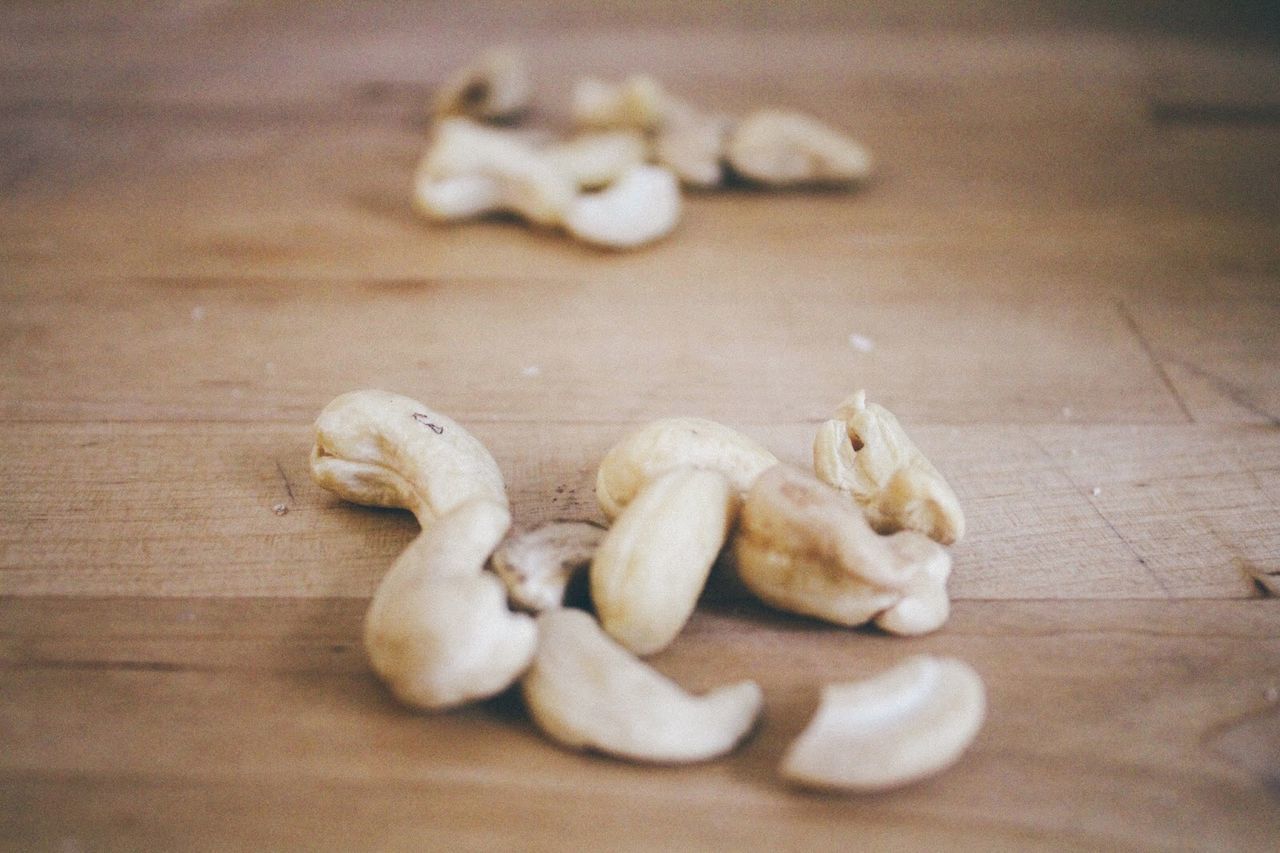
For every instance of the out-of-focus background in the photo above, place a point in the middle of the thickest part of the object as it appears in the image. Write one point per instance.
(1064, 278)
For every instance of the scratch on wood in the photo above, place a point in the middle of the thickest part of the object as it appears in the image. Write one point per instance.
(1127, 316)
(1115, 531)
(287, 487)
(1233, 392)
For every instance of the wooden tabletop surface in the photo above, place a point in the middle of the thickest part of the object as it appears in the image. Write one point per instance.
(1067, 268)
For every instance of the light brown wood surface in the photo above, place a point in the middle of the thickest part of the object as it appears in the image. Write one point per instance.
(1069, 265)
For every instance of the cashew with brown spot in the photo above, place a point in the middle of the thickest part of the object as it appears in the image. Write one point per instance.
(438, 630)
(382, 449)
(657, 447)
(802, 547)
(587, 692)
(495, 87)
(866, 453)
(470, 170)
(653, 563)
(785, 148)
(538, 565)
(889, 730)
(598, 159)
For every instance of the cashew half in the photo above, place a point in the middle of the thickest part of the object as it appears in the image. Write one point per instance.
(865, 452)
(643, 205)
(438, 630)
(470, 170)
(657, 447)
(538, 565)
(653, 563)
(587, 692)
(895, 728)
(382, 449)
(495, 87)
(598, 159)
(639, 102)
(785, 148)
(801, 547)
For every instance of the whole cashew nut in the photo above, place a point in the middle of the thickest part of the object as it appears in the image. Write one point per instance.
(657, 447)
(470, 170)
(382, 449)
(438, 630)
(693, 146)
(641, 206)
(801, 547)
(889, 730)
(866, 453)
(587, 692)
(785, 148)
(653, 563)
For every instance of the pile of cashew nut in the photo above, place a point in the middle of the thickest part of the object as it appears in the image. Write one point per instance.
(616, 182)
(471, 608)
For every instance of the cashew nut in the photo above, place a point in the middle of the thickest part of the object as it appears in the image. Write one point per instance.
(538, 565)
(471, 170)
(438, 630)
(495, 87)
(889, 730)
(382, 449)
(785, 148)
(640, 207)
(801, 547)
(598, 159)
(865, 452)
(587, 692)
(657, 447)
(639, 102)
(653, 563)
(693, 146)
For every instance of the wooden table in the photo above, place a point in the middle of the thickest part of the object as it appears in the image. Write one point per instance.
(1068, 267)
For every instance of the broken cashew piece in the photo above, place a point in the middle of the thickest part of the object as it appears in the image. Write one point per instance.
(587, 692)
(495, 87)
(866, 453)
(653, 563)
(659, 446)
(638, 103)
(382, 449)
(643, 205)
(785, 148)
(802, 547)
(598, 159)
(538, 565)
(438, 630)
(892, 729)
(470, 170)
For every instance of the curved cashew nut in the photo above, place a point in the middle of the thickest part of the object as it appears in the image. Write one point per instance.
(598, 159)
(784, 148)
(586, 692)
(693, 146)
(643, 205)
(653, 563)
(438, 630)
(865, 452)
(538, 565)
(889, 730)
(657, 447)
(382, 449)
(803, 548)
(471, 170)
(495, 86)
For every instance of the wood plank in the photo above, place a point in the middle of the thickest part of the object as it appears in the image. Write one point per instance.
(134, 509)
(265, 702)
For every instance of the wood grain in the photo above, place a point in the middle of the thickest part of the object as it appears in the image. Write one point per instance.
(1068, 265)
